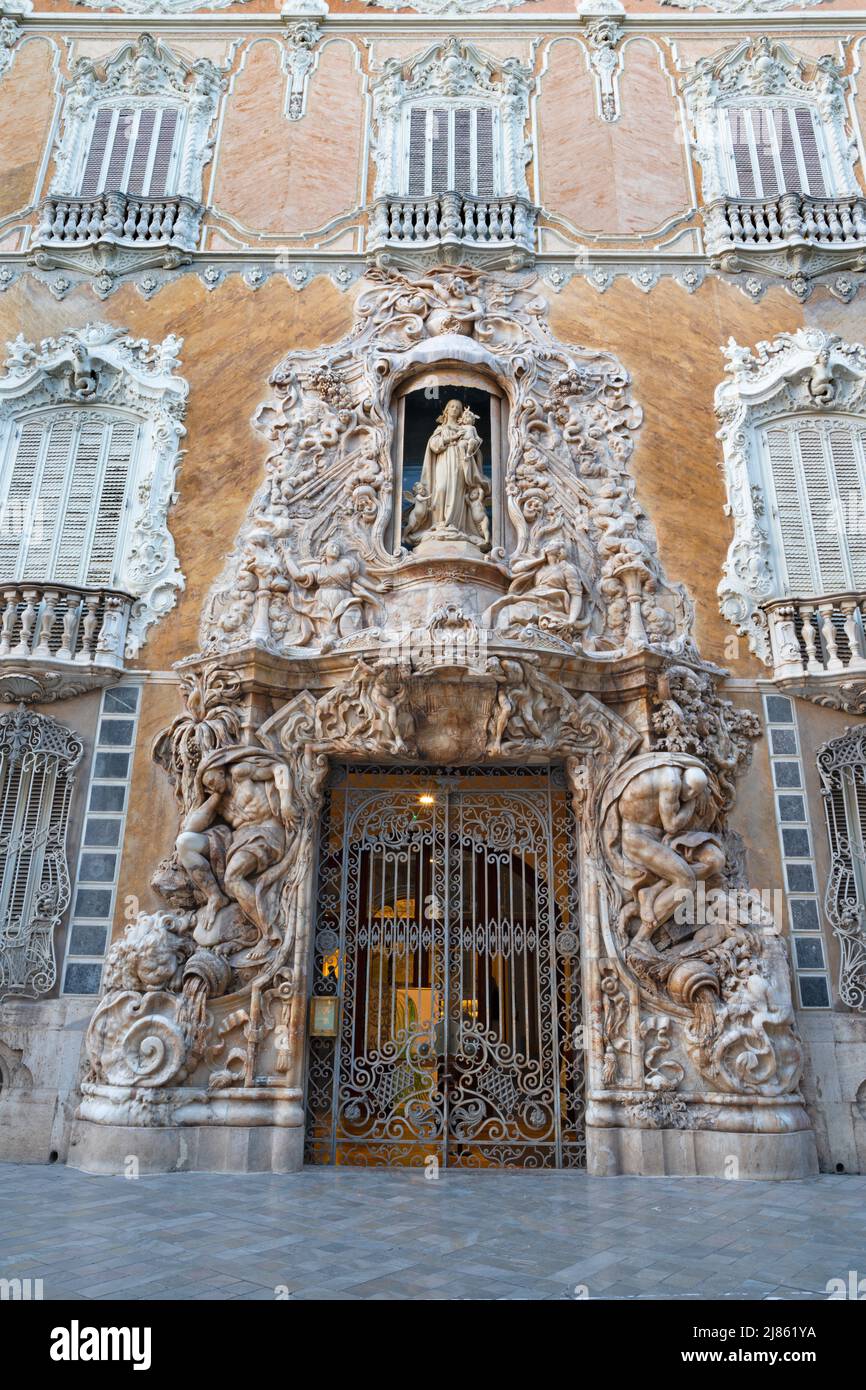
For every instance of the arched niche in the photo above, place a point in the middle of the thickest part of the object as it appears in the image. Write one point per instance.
(416, 406)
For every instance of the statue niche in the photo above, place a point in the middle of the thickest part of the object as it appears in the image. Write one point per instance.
(447, 436)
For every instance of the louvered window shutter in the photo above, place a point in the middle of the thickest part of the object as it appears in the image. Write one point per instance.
(485, 182)
(68, 483)
(28, 788)
(451, 149)
(462, 182)
(775, 150)
(739, 128)
(416, 185)
(131, 151)
(811, 155)
(439, 150)
(764, 132)
(819, 482)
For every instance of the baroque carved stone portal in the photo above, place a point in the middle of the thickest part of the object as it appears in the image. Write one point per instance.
(570, 646)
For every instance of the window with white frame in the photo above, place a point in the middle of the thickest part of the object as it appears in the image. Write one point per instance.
(137, 124)
(132, 149)
(451, 148)
(815, 469)
(64, 484)
(775, 149)
(90, 431)
(453, 120)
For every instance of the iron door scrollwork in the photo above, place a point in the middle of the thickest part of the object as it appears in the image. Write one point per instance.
(447, 929)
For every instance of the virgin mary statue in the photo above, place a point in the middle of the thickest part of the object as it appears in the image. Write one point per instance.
(450, 501)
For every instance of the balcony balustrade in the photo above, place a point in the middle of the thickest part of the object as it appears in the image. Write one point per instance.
(497, 232)
(818, 637)
(792, 231)
(59, 639)
(156, 230)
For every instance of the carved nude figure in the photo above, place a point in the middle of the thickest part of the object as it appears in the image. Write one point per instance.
(654, 819)
(237, 833)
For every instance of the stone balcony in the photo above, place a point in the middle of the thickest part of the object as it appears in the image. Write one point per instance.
(819, 647)
(116, 227)
(498, 233)
(789, 235)
(59, 640)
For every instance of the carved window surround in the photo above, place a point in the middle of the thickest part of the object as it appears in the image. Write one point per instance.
(38, 759)
(116, 227)
(58, 636)
(842, 766)
(790, 234)
(813, 642)
(452, 225)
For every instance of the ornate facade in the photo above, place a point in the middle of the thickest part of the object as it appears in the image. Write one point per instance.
(443, 712)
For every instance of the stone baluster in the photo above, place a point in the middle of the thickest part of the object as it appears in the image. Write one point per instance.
(131, 220)
(46, 622)
(28, 622)
(142, 225)
(834, 226)
(90, 622)
(450, 225)
(10, 614)
(832, 660)
(432, 224)
(811, 219)
(66, 650)
(748, 223)
(45, 225)
(774, 226)
(858, 216)
(843, 212)
(506, 224)
(169, 212)
(852, 623)
(810, 640)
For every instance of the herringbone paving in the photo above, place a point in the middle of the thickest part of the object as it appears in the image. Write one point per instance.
(342, 1233)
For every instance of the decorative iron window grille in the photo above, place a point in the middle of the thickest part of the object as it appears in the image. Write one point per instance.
(38, 759)
(842, 766)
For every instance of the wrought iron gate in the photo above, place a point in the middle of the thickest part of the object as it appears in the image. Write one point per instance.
(446, 1010)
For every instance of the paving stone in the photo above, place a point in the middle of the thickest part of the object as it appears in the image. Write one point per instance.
(349, 1234)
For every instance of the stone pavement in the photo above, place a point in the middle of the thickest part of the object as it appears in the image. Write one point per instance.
(376, 1234)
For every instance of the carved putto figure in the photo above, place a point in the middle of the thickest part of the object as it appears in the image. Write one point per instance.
(450, 500)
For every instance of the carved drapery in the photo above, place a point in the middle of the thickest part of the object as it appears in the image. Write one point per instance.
(95, 367)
